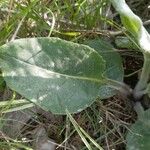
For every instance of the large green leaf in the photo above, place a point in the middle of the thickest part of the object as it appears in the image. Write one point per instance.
(114, 68)
(53, 73)
(139, 136)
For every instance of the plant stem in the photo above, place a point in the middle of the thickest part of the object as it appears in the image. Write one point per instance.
(139, 109)
(144, 78)
(120, 86)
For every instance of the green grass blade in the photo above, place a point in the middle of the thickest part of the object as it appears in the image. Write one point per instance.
(82, 133)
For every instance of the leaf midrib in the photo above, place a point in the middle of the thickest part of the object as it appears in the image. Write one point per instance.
(102, 80)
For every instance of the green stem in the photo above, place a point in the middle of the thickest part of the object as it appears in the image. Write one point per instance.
(139, 109)
(119, 86)
(144, 77)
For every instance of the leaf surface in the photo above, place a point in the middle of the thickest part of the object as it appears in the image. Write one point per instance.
(138, 137)
(114, 68)
(53, 73)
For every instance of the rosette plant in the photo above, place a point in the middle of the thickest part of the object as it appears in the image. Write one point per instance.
(61, 76)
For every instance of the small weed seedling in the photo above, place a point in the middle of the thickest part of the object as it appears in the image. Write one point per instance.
(65, 77)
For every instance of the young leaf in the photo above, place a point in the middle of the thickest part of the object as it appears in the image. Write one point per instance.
(53, 73)
(125, 43)
(114, 68)
(139, 136)
(133, 24)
